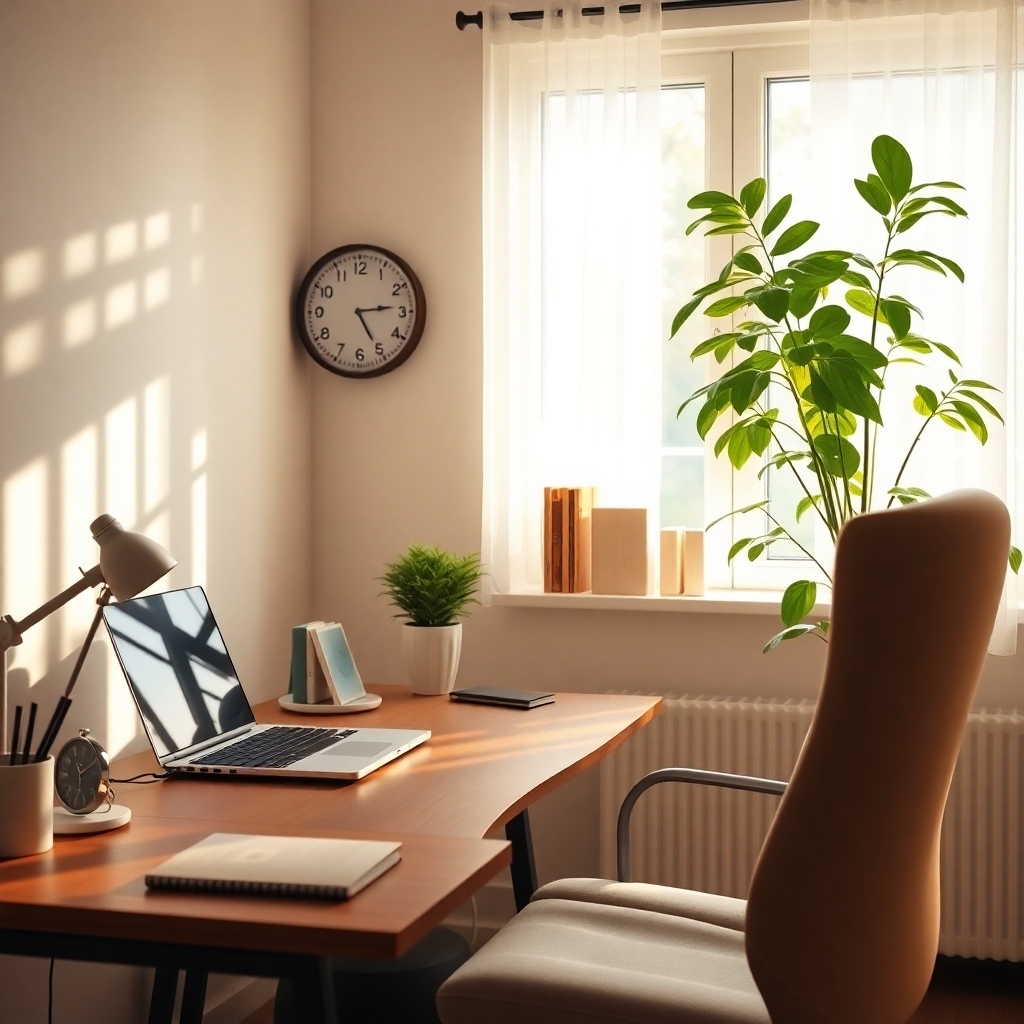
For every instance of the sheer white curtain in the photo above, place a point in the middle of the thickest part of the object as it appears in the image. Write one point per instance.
(940, 76)
(572, 270)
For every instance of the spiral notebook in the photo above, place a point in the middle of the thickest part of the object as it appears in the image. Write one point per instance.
(291, 866)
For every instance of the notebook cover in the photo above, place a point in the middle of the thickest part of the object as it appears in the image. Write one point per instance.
(276, 866)
(336, 661)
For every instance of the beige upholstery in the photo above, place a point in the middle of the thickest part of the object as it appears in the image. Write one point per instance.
(842, 922)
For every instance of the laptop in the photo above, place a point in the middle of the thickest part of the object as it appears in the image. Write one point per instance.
(196, 714)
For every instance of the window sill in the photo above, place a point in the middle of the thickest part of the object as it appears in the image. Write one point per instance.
(714, 602)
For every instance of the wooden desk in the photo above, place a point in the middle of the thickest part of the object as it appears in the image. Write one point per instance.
(483, 767)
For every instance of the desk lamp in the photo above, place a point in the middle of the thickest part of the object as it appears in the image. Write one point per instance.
(129, 563)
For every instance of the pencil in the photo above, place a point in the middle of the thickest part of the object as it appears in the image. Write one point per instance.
(15, 736)
(26, 750)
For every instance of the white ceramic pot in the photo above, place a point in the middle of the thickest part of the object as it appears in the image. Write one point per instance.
(26, 808)
(432, 657)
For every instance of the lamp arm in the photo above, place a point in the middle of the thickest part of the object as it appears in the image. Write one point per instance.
(89, 580)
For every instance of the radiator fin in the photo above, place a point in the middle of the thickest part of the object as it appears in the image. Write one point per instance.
(701, 838)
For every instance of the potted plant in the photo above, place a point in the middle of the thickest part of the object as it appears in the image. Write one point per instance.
(432, 588)
(807, 380)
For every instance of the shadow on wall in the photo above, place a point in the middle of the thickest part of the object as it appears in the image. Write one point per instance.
(100, 407)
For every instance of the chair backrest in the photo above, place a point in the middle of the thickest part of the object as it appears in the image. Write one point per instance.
(843, 914)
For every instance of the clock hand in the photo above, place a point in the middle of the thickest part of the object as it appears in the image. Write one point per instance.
(359, 313)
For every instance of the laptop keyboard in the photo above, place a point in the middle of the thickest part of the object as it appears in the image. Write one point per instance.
(274, 748)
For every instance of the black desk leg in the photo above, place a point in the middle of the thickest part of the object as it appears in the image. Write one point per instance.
(161, 1002)
(194, 997)
(314, 991)
(524, 872)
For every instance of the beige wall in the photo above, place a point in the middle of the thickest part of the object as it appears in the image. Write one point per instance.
(195, 114)
(398, 458)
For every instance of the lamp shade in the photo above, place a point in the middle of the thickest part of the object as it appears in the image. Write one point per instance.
(129, 562)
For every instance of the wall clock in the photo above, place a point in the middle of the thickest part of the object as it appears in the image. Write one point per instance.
(360, 311)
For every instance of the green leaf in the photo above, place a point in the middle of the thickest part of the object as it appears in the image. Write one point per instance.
(866, 355)
(748, 261)
(893, 164)
(684, 314)
(738, 512)
(948, 263)
(735, 228)
(984, 403)
(705, 200)
(798, 600)
(915, 343)
(909, 495)
(802, 300)
(907, 257)
(776, 215)
(952, 421)
(773, 302)
(709, 412)
(737, 548)
(828, 321)
(805, 503)
(848, 389)
(794, 236)
(710, 344)
(787, 634)
(864, 302)
(857, 278)
(723, 307)
(837, 455)
(877, 198)
(935, 184)
(752, 195)
(1015, 558)
(898, 317)
(973, 419)
(947, 351)
(818, 392)
(929, 400)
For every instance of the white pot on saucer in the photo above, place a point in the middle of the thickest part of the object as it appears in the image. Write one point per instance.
(432, 657)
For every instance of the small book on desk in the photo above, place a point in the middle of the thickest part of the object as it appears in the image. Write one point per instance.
(523, 699)
(292, 866)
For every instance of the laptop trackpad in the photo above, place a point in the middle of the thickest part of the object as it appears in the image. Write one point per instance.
(356, 748)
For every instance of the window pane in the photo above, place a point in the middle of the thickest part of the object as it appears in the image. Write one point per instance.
(788, 171)
(684, 270)
(682, 491)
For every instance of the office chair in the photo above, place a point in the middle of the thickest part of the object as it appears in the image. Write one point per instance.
(842, 918)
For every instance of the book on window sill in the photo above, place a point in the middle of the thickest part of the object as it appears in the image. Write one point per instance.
(567, 539)
(289, 866)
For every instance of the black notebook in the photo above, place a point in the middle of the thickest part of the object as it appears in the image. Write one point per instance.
(523, 699)
(292, 866)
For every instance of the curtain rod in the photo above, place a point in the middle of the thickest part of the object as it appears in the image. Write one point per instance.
(462, 19)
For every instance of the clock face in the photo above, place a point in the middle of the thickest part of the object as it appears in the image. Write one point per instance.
(360, 311)
(80, 776)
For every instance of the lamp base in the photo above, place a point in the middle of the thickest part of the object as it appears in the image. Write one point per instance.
(67, 824)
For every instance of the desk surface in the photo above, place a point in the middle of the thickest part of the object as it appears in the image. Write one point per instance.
(482, 766)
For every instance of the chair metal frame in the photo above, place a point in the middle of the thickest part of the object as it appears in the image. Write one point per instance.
(694, 776)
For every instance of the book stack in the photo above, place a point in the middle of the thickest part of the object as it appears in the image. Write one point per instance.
(567, 534)
(323, 670)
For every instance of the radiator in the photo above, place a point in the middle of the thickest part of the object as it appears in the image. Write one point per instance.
(708, 839)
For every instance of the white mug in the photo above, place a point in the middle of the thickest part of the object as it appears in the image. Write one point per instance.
(26, 807)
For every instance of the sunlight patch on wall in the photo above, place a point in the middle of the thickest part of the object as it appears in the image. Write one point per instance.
(157, 288)
(120, 305)
(23, 273)
(156, 451)
(197, 270)
(80, 254)
(121, 241)
(23, 348)
(156, 230)
(25, 559)
(159, 529)
(79, 323)
(199, 449)
(199, 530)
(121, 452)
(78, 472)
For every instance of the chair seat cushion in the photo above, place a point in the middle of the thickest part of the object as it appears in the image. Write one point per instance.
(573, 962)
(725, 911)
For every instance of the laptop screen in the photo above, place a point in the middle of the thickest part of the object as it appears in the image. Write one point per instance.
(178, 668)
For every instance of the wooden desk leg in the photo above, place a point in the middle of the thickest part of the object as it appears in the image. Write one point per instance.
(314, 991)
(161, 1002)
(524, 871)
(193, 999)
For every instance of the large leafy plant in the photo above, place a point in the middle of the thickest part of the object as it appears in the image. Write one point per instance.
(807, 384)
